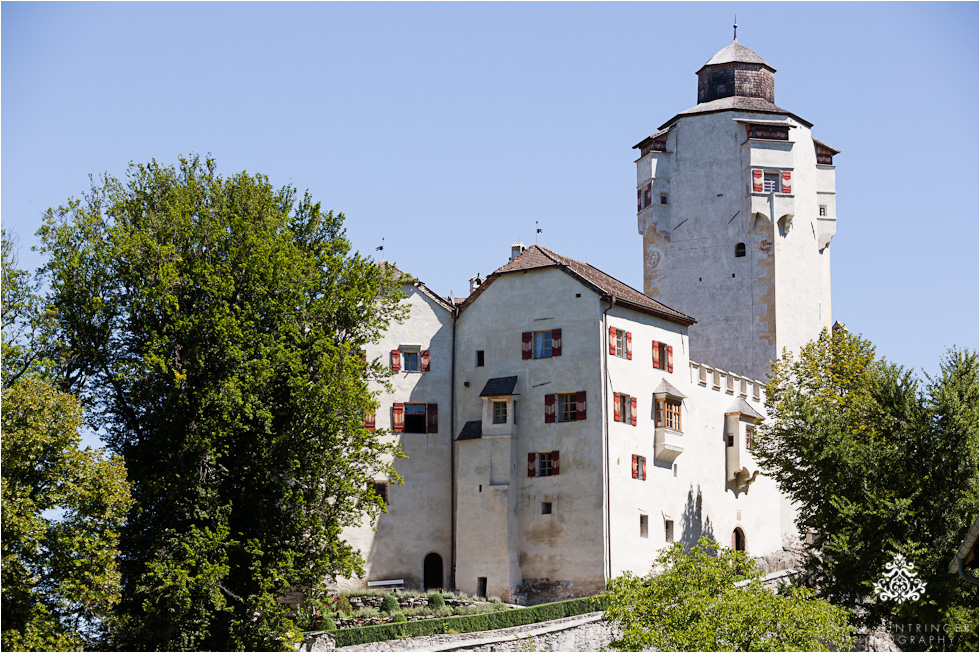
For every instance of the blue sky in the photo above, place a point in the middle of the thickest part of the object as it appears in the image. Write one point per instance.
(449, 129)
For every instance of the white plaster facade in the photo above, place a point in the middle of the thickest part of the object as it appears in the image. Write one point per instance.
(527, 381)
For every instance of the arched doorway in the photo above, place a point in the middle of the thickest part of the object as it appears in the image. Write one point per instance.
(432, 571)
(738, 539)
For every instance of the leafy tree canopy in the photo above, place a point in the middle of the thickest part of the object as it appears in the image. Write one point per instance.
(214, 326)
(877, 465)
(62, 511)
(694, 604)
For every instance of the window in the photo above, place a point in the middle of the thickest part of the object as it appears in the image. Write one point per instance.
(500, 412)
(570, 407)
(624, 408)
(620, 343)
(644, 196)
(380, 488)
(663, 357)
(644, 526)
(739, 250)
(823, 210)
(479, 358)
(410, 358)
(545, 507)
(415, 418)
(749, 438)
(668, 530)
(729, 439)
(675, 470)
(411, 361)
(540, 344)
(663, 198)
(770, 183)
(669, 413)
(769, 132)
(542, 463)
(639, 467)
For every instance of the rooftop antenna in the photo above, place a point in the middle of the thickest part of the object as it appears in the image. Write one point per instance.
(735, 36)
(381, 247)
(537, 230)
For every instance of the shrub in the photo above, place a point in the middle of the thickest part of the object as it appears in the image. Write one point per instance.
(468, 623)
(365, 613)
(389, 604)
(328, 624)
(344, 606)
(399, 618)
(436, 600)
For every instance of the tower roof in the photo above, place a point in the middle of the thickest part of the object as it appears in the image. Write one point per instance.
(735, 52)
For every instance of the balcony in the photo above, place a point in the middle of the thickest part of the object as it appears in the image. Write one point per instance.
(741, 469)
(668, 444)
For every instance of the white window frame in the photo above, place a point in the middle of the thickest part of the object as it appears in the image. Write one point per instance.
(499, 415)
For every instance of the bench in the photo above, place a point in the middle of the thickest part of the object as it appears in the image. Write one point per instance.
(384, 584)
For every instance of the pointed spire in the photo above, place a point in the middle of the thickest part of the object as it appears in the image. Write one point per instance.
(735, 36)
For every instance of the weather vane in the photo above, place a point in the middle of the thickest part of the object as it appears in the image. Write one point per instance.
(735, 35)
(380, 248)
(537, 230)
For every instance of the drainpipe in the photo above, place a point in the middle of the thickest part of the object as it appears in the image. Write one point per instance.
(452, 456)
(605, 435)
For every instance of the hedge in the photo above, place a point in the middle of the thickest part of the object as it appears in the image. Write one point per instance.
(468, 623)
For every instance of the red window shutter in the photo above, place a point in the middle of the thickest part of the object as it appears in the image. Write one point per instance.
(527, 345)
(549, 409)
(556, 342)
(639, 195)
(554, 463)
(580, 405)
(756, 180)
(396, 360)
(633, 411)
(656, 355)
(643, 468)
(787, 181)
(531, 457)
(424, 360)
(617, 415)
(670, 359)
(612, 341)
(432, 418)
(369, 421)
(634, 466)
(398, 417)
(629, 346)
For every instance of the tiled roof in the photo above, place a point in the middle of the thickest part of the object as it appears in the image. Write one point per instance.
(499, 387)
(471, 431)
(736, 103)
(735, 52)
(822, 144)
(743, 407)
(538, 257)
(405, 277)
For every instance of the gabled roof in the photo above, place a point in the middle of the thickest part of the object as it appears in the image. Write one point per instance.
(665, 387)
(499, 387)
(741, 406)
(537, 257)
(822, 144)
(406, 278)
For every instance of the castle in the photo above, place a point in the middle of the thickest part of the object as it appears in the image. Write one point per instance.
(562, 427)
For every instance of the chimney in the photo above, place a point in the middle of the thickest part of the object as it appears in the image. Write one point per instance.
(516, 250)
(475, 282)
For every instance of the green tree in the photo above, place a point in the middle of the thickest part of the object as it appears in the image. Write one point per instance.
(877, 466)
(214, 325)
(694, 604)
(63, 508)
(23, 342)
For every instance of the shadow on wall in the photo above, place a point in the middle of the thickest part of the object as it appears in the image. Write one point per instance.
(694, 524)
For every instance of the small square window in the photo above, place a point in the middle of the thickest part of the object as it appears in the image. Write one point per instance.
(771, 182)
(663, 198)
(545, 507)
(823, 210)
(479, 358)
(500, 412)
(644, 526)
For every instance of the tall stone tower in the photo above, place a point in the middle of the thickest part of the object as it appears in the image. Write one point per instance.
(736, 206)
